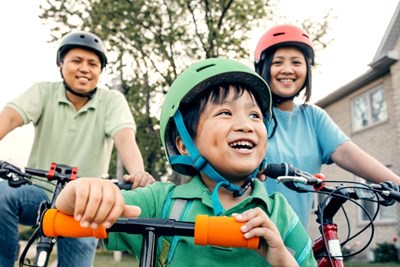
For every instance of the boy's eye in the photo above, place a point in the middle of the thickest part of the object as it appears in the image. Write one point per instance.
(225, 113)
(255, 116)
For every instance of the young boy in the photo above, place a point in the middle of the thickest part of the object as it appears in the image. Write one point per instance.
(213, 128)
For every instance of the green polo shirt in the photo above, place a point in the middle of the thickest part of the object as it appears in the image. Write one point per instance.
(63, 135)
(151, 199)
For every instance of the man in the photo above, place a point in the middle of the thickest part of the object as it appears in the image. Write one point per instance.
(76, 124)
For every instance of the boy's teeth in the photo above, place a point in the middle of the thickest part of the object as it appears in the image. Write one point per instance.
(241, 143)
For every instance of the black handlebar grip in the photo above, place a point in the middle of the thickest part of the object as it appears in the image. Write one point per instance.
(274, 170)
(124, 185)
(395, 195)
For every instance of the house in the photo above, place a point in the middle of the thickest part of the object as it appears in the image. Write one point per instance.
(367, 109)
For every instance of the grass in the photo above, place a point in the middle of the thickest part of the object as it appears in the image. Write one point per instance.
(355, 264)
(106, 259)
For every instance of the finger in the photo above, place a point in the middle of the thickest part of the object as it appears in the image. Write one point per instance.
(246, 216)
(120, 209)
(110, 202)
(262, 177)
(135, 179)
(127, 178)
(131, 211)
(94, 198)
(146, 179)
(80, 190)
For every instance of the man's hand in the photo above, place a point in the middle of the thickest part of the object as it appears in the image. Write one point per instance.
(139, 179)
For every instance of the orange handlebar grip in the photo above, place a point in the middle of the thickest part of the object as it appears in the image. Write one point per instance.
(55, 223)
(221, 231)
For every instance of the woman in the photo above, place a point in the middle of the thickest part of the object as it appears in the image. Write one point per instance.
(303, 134)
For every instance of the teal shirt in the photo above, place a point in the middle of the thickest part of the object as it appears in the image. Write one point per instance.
(152, 199)
(63, 135)
(305, 137)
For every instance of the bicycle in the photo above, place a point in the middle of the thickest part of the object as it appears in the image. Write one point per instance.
(60, 174)
(206, 230)
(327, 248)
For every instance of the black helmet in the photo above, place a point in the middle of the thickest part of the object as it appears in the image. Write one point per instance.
(84, 40)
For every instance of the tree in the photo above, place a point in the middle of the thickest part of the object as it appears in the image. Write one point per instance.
(152, 41)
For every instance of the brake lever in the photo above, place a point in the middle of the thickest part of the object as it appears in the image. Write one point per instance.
(15, 176)
(19, 182)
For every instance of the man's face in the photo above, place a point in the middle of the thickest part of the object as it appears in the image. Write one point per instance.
(81, 69)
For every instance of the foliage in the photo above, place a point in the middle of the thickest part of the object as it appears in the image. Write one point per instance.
(26, 233)
(386, 252)
(151, 41)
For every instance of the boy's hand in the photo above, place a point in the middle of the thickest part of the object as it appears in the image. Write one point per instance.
(258, 224)
(139, 179)
(93, 202)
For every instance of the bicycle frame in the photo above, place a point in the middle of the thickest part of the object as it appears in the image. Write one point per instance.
(328, 245)
(62, 174)
(331, 241)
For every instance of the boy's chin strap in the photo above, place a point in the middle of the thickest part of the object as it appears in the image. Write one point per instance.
(195, 160)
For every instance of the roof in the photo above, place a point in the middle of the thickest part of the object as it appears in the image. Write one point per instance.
(384, 57)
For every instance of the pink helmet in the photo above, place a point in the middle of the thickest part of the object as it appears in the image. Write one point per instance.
(284, 35)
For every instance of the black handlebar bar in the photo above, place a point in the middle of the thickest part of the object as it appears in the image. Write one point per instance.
(289, 175)
(58, 172)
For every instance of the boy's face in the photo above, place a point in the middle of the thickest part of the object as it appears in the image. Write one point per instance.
(232, 136)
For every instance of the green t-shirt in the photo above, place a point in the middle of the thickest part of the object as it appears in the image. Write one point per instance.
(151, 199)
(63, 135)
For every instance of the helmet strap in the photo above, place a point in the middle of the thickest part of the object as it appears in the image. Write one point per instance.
(89, 94)
(197, 161)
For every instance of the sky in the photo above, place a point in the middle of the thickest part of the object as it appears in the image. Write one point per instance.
(27, 57)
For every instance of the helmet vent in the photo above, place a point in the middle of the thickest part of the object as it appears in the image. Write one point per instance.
(279, 33)
(205, 67)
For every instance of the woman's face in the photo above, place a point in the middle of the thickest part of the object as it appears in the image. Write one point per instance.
(288, 71)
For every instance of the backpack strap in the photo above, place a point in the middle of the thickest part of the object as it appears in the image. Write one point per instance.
(179, 210)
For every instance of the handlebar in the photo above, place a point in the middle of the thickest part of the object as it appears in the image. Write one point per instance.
(206, 230)
(289, 175)
(18, 176)
(384, 193)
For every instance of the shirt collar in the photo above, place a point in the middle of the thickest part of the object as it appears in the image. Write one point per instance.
(62, 98)
(195, 189)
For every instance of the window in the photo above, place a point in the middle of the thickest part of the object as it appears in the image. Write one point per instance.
(369, 108)
(384, 214)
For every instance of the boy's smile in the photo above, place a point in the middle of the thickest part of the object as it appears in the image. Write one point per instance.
(232, 135)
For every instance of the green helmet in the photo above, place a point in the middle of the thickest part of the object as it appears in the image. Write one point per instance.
(200, 77)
